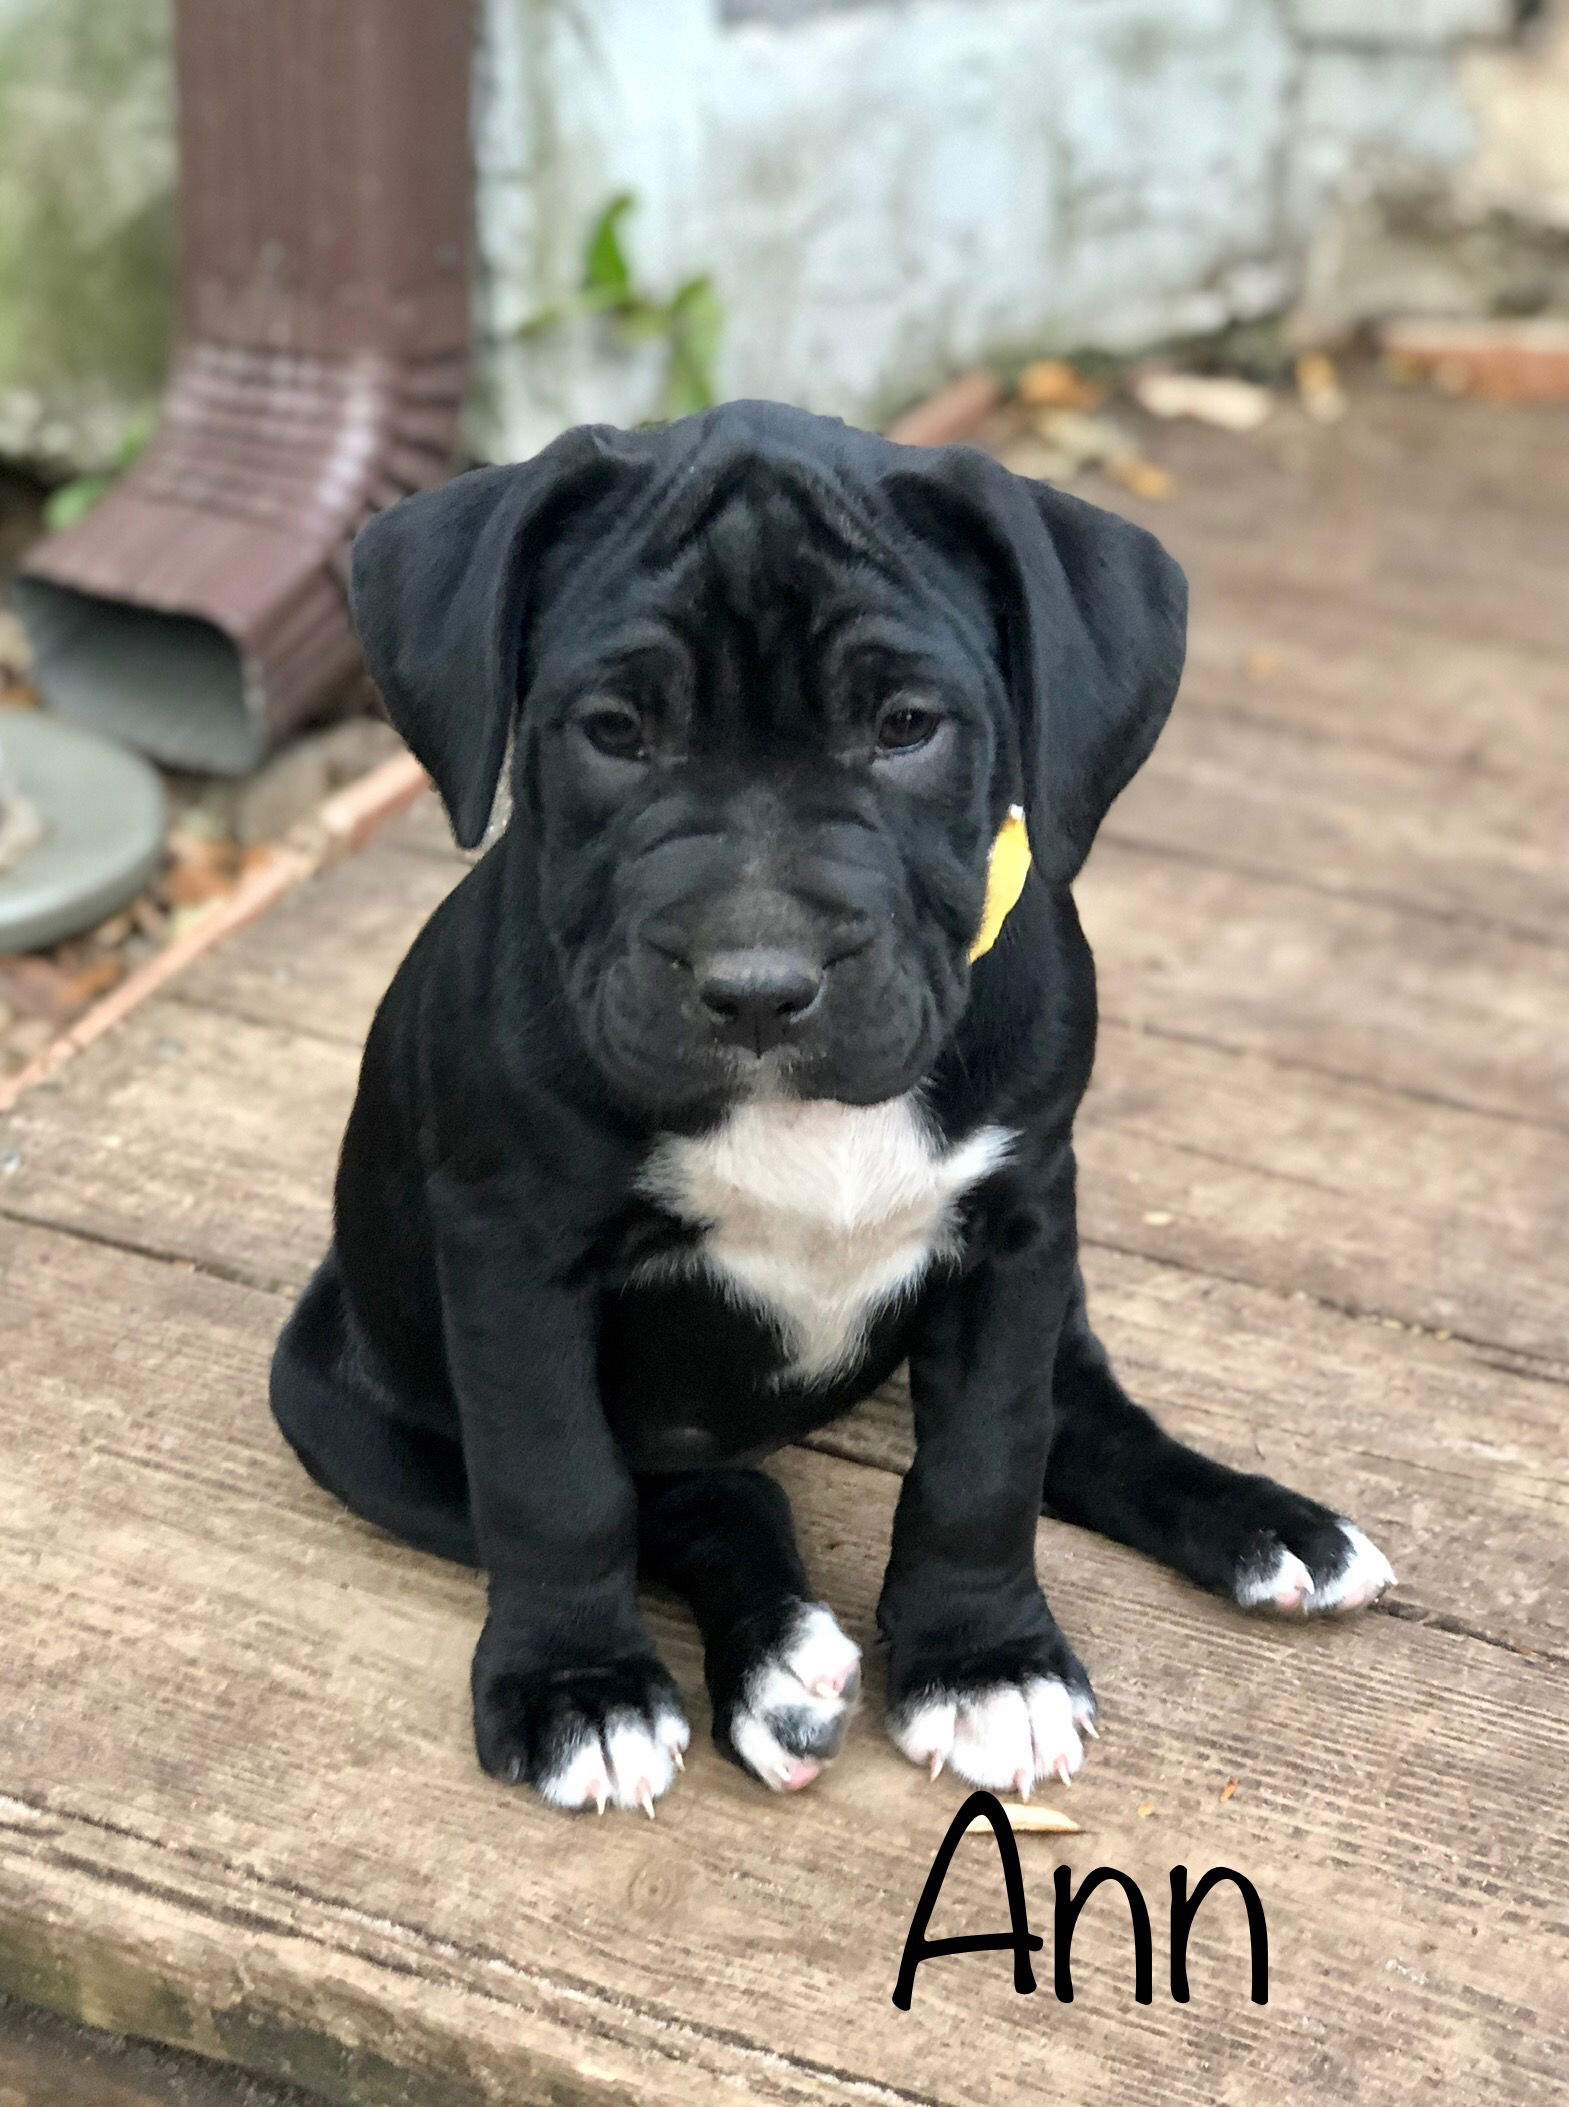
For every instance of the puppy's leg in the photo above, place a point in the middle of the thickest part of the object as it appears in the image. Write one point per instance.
(569, 1695)
(980, 1678)
(782, 1675)
(1112, 1469)
(346, 1430)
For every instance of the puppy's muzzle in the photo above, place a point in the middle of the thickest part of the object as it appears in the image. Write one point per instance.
(756, 998)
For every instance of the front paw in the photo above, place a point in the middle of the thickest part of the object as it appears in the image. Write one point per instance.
(1007, 1721)
(611, 1735)
(1305, 1561)
(783, 1692)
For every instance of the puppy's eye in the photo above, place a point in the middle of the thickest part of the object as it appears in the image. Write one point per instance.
(904, 727)
(614, 728)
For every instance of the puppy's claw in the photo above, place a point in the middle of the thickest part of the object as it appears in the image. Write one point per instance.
(645, 1798)
(678, 1759)
(1088, 1726)
(935, 1767)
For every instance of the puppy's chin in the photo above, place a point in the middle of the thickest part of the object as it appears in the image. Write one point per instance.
(691, 1091)
(686, 1084)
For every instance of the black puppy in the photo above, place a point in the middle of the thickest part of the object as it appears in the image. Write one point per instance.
(688, 1118)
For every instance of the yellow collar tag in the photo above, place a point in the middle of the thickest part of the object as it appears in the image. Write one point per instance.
(1005, 876)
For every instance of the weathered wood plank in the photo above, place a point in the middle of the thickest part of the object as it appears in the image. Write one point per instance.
(1447, 1219)
(1412, 1002)
(1401, 510)
(1321, 663)
(1372, 824)
(214, 1139)
(240, 1811)
(46, 2061)
(190, 1134)
(1237, 1365)
(423, 830)
(321, 961)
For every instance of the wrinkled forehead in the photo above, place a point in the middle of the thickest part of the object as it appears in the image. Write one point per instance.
(778, 583)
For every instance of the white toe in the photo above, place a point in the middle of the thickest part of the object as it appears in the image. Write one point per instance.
(925, 1734)
(1056, 1715)
(1362, 1579)
(581, 1780)
(1277, 1580)
(817, 1653)
(1008, 1739)
(629, 1766)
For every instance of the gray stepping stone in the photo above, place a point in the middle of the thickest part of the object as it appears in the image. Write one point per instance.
(101, 810)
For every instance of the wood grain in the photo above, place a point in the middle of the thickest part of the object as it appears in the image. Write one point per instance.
(1447, 1219)
(1319, 662)
(240, 1809)
(1365, 823)
(322, 962)
(213, 1139)
(1422, 1005)
(1421, 1439)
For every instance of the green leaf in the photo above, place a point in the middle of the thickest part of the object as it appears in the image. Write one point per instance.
(134, 444)
(605, 268)
(74, 500)
(696, 320)
(640, 320)
(690, 322)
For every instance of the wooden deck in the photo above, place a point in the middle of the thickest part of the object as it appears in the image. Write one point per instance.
(1326, 1195)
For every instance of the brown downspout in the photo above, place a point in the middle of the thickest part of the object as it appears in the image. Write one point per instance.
(326, 206)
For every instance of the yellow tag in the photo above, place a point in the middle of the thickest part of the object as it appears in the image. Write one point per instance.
(1005, 876)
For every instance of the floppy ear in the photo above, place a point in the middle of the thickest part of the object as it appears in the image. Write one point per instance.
(441, 587)
(1093, 616)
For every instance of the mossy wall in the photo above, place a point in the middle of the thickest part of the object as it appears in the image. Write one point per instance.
(87, 171)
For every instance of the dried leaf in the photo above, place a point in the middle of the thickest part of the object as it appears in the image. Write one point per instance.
(1085, 440)
(1146, 479)
(1051, 383)
(94, 980)
(1146, 1809)
(1030, 1820)
(1212, 398)
(16, 653)
(1228, 1791)
(200, 868)
(1318, 386)
(149, 917)
(111, 934)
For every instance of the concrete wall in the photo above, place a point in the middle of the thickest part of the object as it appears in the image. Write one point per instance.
(887, 190)
(86, 222)
(884, 190)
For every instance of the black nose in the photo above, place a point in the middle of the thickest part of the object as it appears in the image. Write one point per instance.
(756, 998)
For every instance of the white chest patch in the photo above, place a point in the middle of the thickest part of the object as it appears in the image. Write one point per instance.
(821, 1213)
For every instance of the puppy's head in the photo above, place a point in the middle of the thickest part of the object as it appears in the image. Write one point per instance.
(774, 684)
